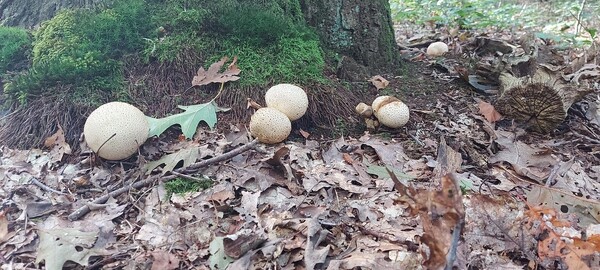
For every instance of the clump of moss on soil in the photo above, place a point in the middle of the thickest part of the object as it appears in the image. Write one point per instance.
(14, 46)
(146, 52)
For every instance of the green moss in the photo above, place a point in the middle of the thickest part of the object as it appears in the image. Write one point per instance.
(293, 60)
(181, 185)
(270, 38)
(14, 44)
(80, 50)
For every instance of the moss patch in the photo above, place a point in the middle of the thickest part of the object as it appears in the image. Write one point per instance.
(147, 51)
(14, 45)
(80, 50)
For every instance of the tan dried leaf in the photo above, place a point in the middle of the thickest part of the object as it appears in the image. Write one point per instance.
(441, 212)
(379, 82)
(489, 112)
(3, 227)
(164, 260)
(58, 145)
(212, 75)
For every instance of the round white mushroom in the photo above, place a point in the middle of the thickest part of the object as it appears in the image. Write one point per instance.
(270, 126)
(393, 115)
(115, 130)
(390, 111)
(288, 99)
(437, 49)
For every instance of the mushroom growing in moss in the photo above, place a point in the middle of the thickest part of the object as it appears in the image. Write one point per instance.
(390, 111)
(288, 99)
(115, 130)
(270, 126)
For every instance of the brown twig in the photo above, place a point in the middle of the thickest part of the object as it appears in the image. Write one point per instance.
(44, 187)
(195, 166)
(140, 184)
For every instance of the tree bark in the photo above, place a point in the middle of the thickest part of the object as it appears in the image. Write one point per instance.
(30, 13)
(360, 30)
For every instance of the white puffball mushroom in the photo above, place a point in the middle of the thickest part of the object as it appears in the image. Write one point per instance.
(288, 99)
(393, 115)
(437, 49)
(270, 126)
(115, 130)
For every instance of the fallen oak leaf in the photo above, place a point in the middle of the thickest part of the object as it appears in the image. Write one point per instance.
(188, 120)
(212, 75)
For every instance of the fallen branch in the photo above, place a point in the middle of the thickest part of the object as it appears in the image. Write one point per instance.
(140, 184)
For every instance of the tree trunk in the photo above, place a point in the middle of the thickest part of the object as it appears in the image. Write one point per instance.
(357, 29)
(30, 13)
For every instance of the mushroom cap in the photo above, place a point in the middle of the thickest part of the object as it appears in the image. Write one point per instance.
(393, 115)
(437, 49)
(380, 101)
(115, 130)
(270, 126)
(288, 99)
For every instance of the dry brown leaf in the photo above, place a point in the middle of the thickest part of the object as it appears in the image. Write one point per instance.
(489, 112)
(379, 82)
(212, 75)
(555, 241)
(242, 242)
(441, 213)
(58, 145)
(164, 261)
(304, 134)
(252, 104)
(525, 159)
(3, 227)
(314, 253)
(587, 211)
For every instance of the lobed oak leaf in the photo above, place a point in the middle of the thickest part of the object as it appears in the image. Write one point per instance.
(212, 75)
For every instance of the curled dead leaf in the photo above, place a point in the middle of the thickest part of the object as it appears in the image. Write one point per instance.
(379, 82)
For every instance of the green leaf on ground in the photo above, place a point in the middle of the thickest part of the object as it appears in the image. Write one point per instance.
(188, 120)
(60, 245)
(218, 259)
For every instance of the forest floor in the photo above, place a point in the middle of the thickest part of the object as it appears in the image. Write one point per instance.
(458, 185)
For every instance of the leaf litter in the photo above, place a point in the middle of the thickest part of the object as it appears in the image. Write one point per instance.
(458, 187)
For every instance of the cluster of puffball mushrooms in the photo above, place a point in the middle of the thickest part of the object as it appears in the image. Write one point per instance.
(385, 110)
(115, 130)
(285, 103)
